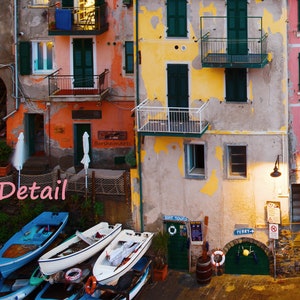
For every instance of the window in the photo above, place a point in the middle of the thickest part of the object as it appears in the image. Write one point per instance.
(236, 85)
(237, 161)
(129, 57)
(176, 18)
(42, 57)
(40, 2)
(195, 160)
(36, 57)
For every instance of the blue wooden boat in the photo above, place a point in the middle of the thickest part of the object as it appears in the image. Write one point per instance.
(21, 283)
(127, 287)
(31, 241)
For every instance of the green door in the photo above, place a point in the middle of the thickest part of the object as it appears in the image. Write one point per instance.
(256, 263)
(178, 248)
(34, 134)
(237, 31)
(83, 64)
(79, 130)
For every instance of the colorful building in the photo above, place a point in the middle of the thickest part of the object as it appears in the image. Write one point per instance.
(212, 119)
(75, 66)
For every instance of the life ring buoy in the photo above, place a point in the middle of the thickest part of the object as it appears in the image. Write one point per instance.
(90, 285)
(219, 253)
(73, 274)
(172, 230)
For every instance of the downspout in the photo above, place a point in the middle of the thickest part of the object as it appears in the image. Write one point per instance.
(137, 102)
(16, 54)
(16, 68)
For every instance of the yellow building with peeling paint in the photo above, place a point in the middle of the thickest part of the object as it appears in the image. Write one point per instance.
(211, 120)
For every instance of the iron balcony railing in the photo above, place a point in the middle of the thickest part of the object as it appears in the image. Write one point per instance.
(220, 51)
(156, 120)
(71, 85)
(77, 20)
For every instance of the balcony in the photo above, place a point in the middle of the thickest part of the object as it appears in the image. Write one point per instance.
(77, 20)
(72, 88)
(170, 121)
(218, 51)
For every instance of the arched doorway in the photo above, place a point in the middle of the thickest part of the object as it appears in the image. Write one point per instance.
(3, 100)
(247, 256)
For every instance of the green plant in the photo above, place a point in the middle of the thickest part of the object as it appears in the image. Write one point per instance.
(130, 158)
(5, 153)
(159, 248)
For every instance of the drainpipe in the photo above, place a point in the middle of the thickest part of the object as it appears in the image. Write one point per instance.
(16, 53)
(137, 102)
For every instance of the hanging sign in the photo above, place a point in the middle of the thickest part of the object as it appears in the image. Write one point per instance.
(273, 231)
(273, 212)
(196, 231)
(241, 231)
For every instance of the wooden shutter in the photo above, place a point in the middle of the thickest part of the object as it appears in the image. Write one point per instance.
(176, 18)
(236, 85)
(129, 57)
(25, 58)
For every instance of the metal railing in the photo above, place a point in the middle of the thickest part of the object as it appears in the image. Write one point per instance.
(70, 20)
(155, 119)
(217, 48)
(71, 85)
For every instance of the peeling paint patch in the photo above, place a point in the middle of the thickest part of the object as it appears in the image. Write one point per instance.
(219, 153)
(212, 184)
(161, 145)
(208, 9)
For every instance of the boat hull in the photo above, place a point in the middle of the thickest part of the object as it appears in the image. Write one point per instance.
(51, 262)
(31, 241)
(105, 272)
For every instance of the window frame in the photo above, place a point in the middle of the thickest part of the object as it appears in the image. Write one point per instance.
(129, 57)
(236, 174)
(36, 2)
(35, 57)
(192, 170)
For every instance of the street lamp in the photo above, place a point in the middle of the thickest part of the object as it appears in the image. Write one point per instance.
(275, 172)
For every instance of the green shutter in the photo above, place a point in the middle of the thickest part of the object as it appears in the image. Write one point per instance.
(298, 15)
(237, 27)
(177, 18)
(129, 57)
(236, 85)
(178, 87)
(25, 58)
(67, 3)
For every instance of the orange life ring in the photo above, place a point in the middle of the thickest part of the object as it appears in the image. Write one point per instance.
(219, 263)
(91, 285)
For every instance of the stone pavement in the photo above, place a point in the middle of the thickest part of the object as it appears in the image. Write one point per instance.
(180, 285)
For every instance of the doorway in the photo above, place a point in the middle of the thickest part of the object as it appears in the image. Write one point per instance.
(79, 130)
(34, 134)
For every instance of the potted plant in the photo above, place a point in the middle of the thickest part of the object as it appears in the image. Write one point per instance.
(5, 154)
(159, 248)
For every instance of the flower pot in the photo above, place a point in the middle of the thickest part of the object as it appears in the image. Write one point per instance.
(5, 170)
(160, 275)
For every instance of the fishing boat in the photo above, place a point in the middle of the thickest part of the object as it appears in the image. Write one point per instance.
(78, 248)
(121, 255)
(127, 287)
(31, 241)
(20, 283)
(67, 284)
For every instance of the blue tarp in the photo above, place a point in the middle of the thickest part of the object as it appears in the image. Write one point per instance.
(63, 19)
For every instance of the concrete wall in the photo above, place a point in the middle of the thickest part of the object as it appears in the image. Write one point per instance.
(261, 124)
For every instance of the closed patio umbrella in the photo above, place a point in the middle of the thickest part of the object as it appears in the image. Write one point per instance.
(19, 156)
(86, 159)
